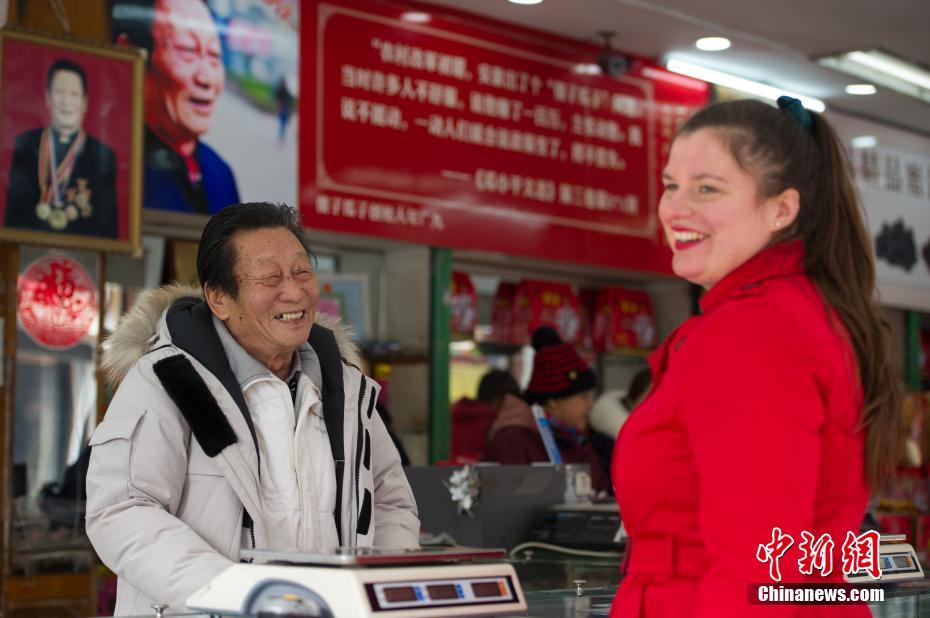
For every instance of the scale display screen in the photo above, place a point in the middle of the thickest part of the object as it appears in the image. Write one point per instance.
(897, 562)
(389, 596)
(486, 589)
(399, 594)
(443, 591)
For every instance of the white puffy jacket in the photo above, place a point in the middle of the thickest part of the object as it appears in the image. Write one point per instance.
(174, 470)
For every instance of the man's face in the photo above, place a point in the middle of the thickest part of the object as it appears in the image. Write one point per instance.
(274, 310)
(185, 75)
(67, 101)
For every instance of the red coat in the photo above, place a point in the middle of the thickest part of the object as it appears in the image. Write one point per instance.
(751, 424)
(471, 419)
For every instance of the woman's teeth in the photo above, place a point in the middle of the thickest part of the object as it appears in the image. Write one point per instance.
(688, 236)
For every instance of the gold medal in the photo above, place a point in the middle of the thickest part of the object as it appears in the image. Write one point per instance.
(53, 180)
(87, 210)
(57, 219)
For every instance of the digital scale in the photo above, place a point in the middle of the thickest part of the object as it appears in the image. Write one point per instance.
(594, 526)
(365, 582)
(897, 560)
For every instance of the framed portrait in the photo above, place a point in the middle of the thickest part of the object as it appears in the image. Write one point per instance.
(345, 296)
(70, 142)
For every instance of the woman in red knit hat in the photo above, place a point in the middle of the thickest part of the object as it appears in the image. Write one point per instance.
(563, 385)
(774, 410)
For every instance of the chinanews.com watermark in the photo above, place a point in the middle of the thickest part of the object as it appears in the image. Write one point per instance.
(859, 556)
(813, 594)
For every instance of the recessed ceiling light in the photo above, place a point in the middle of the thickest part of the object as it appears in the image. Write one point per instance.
(415, 16)
(740, 83)
(882, 68)
(712, 43)
(861, 89)
(526, 1)
(864, 141)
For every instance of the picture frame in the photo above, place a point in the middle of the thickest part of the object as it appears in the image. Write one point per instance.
(71, 138)
(345, 296)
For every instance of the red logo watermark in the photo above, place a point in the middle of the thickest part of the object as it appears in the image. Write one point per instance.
(859, 553)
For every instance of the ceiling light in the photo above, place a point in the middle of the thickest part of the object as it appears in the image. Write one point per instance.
(861, 89)
(864, 141)
(526, 1)
(415, 16)
(883, 69)
(712, 43)
(738, 83)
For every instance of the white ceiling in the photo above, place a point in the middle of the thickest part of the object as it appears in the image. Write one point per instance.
(773, 41)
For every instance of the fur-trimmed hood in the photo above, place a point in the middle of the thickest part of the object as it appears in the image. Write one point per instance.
(141, 324)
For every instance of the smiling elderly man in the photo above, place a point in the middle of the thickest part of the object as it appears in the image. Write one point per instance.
(241, 421)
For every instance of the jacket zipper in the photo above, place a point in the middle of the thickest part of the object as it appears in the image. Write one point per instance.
(358, 453)
(295, 464)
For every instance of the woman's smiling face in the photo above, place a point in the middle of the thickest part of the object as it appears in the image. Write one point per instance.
(711, 211)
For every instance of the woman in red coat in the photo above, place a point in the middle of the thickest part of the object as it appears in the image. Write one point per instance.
(777, 406)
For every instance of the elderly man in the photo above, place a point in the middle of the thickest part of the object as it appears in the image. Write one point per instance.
(240, 420)
(61, 178)
(184, 77)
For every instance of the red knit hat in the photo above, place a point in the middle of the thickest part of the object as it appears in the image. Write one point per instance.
(558, 371)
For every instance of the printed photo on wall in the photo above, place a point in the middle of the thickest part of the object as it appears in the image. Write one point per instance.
(220, 94)
(70, 143)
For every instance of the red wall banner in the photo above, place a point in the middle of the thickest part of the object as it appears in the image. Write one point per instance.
(465, 133)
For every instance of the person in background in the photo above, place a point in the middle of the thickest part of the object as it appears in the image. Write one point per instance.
(240, 421)
(285, 102)
(63, 179)
(778, 406)
(610, 411)
(472, 418)
(184, 77)
(563, 385)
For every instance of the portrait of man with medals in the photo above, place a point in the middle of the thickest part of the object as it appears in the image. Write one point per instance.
(61, 178)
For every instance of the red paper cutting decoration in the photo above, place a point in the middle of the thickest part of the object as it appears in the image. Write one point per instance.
(56, 302)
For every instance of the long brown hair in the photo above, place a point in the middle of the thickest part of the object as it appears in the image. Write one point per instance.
(782, 153)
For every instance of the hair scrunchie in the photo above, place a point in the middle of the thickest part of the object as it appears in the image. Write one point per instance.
(795, 109)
